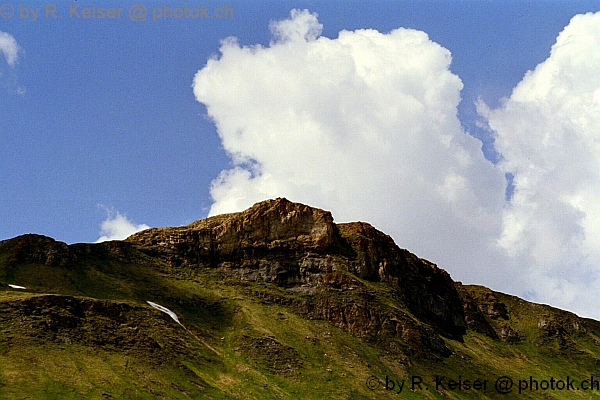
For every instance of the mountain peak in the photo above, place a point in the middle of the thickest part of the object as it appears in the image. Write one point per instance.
(276, 291)
(277, 223)
(292, 245)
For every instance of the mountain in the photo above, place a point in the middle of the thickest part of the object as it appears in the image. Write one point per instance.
(277, 301)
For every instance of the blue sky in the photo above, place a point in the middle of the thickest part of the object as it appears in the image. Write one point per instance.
(100, 122)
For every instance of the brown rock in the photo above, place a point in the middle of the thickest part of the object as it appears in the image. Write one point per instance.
(294, 245)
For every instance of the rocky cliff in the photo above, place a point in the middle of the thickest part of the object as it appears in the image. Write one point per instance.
(278, 291)
(300, 248)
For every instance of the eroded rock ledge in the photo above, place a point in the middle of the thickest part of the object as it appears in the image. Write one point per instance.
(294, 245)
(351, 275)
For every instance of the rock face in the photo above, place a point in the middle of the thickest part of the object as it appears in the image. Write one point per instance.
(301, 248)
(351, 275)
(38, 249)
(67, 319)
(275, 229)
(427, 290)
(502, 317)
(263, 289)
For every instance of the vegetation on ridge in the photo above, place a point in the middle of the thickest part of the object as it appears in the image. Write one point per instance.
(275, 302)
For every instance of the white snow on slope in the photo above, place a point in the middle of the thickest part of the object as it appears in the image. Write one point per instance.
(17, 286)
(165, 310)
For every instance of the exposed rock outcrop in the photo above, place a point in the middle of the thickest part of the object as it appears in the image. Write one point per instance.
(292, 245)
(427, 290)
(301, 249)
(39, 249)
(277, 292)
(68, 320)
(276, 240)
(507, 318)
(31, 248)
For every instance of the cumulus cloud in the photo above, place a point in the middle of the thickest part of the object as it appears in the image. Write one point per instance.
(9, 48)
(364, 125)
(118, 227)
(301, 26)
(548, 134)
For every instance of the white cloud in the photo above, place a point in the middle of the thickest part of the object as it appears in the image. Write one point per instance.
(364, 125)
(117, 227)
(302, 26)
(9, 48)
(548, 133)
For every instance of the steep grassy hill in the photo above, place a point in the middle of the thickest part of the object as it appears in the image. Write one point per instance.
(275, 302)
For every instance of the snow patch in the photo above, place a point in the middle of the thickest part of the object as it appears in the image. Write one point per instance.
(165, 310)
(17, 286)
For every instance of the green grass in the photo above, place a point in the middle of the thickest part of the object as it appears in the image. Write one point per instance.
(242, 340)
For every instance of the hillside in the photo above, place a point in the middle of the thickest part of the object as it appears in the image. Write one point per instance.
(277, 301)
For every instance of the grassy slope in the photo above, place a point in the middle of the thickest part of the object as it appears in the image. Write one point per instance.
(238, 342)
